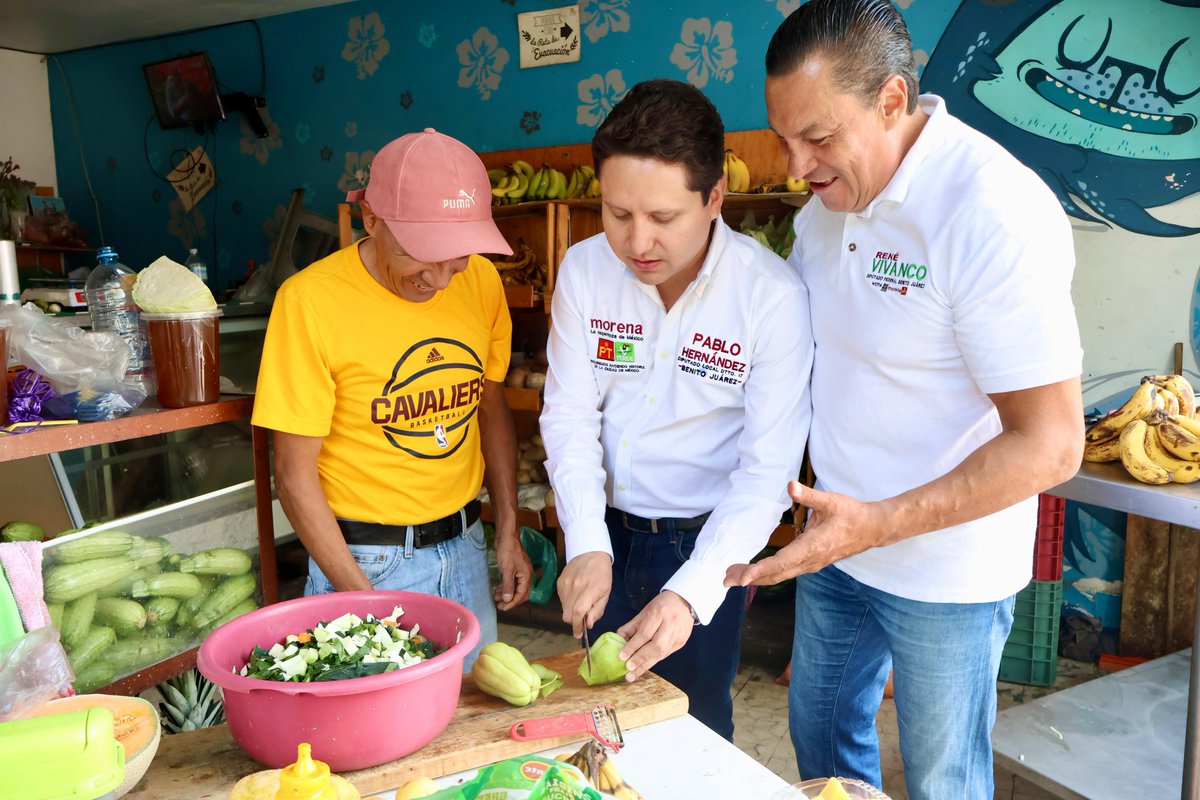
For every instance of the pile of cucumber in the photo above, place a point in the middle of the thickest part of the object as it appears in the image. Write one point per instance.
(123, 602)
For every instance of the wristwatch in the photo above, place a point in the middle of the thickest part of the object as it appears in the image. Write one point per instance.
(695, 616)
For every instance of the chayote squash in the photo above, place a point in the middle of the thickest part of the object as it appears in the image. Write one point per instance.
(607, 666)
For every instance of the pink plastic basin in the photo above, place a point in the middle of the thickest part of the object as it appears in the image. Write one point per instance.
(354, 723)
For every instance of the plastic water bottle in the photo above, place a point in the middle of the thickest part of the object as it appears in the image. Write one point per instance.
(109, 290)
(196, 264)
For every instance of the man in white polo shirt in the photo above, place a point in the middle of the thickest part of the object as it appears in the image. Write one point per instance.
(676, 400)
(946, 395)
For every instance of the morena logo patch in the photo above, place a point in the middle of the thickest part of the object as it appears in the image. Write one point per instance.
(426, 406)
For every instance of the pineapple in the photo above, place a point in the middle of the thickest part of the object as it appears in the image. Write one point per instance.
(190, 702)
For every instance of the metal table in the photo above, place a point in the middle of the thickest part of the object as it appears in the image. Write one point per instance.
(1110, 486)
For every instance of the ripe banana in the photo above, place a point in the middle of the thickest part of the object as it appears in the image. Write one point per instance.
(1178, 386)
(1180, 441)
(1188, 424)
(1144, 402)
(1181, 471)
(1136, 459)
(600, 770)
(593, 187)
(496, 175)
(738, 172)
(1108, 450)
(611, 782)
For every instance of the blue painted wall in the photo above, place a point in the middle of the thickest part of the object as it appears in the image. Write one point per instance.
(344, 80)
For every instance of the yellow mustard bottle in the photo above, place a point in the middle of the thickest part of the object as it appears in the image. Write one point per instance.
(307, 779)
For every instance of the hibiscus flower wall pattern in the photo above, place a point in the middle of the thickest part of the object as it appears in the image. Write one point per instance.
(599, 17)
(356, 171)
(366, 45)
(427, 35)
(531, 121)
(260, 148)
(785, 7)
(186, 226)
(599, 94)
(705, 50)
(482, 59)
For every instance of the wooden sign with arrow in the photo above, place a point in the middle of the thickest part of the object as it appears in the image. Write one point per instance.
(549, 37)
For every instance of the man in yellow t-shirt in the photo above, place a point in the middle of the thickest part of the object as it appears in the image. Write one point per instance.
(382, 377)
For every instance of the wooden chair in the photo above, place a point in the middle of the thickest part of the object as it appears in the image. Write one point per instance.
(348, 233)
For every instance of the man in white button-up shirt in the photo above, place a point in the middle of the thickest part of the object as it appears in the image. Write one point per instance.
(939, 273)
(676, 400)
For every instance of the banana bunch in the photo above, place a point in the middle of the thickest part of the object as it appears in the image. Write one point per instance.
(522, 182)
(522, 268)
(600, 770)
(737, 172)
(1155, 435)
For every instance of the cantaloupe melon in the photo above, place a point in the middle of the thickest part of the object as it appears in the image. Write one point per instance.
(135, 725)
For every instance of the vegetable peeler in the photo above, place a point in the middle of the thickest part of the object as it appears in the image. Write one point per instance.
(600, 722)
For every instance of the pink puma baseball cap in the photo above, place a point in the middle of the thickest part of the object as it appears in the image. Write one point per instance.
(434, 194)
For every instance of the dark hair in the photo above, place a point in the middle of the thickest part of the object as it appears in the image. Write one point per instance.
(866, 42)
(670, 121)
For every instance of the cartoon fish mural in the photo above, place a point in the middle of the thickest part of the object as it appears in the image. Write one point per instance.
(1100, 97)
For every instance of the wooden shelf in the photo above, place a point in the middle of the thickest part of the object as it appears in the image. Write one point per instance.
(523, 399)
(152, 675)
(526, 518)
(146, 420)
(54, 248)
(523, 297)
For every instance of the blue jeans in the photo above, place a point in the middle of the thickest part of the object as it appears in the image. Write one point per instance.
(455, 569)
(703, 668)
(946, 657)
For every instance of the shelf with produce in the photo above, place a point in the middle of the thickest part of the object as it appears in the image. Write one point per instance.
(149, 666)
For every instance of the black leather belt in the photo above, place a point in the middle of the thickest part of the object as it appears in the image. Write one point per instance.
(659, 524)
(426, 534)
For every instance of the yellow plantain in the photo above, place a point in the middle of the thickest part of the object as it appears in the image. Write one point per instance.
(1187, 423)
(1181, 471)
(1178, 440)
(610, 781)
(1098, 452)
(1144, 402)
(1136, 459)
(1180, 388)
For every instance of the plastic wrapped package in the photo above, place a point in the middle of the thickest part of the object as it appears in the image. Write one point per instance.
(86, 369)
(33, 670)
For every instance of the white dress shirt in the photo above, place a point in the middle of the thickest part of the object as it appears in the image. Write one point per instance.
(953, 284)
(674, 414)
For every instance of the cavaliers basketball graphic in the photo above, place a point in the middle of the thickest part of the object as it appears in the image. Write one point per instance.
(426, 406)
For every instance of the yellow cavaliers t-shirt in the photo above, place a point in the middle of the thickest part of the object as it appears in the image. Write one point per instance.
(393, 386)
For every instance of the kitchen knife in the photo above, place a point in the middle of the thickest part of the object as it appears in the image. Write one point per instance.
(587, 647)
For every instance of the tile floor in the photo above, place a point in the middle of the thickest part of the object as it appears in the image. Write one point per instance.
(760, 715)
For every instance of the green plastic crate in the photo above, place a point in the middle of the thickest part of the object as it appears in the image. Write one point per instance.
(1031, 652)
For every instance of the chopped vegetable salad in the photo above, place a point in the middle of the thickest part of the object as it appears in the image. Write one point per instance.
(347, 647)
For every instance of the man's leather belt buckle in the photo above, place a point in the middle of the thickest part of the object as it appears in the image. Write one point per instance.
(663, 524)
(426, 534)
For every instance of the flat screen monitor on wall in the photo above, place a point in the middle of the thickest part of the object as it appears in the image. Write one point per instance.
(185, 92)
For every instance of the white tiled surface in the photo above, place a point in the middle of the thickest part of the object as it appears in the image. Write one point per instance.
(760, 716)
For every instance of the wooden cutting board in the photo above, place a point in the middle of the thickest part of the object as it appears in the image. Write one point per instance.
(207, 763)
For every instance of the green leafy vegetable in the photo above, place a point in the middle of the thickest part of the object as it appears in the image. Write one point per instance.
(347, 647)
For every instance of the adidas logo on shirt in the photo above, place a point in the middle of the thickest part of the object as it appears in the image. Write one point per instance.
(434, 356)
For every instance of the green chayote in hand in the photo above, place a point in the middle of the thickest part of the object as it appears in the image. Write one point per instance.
(607, 666)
